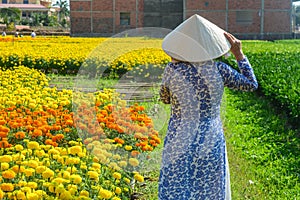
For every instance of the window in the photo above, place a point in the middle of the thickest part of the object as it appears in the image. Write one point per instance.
(25, 1)
(244, 17)
(4, 1)
(125, 18)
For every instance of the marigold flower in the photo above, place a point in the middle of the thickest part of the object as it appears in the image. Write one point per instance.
(32, 196)
(84, 193)
(37, 133)
(9, 174)
(32, 164)
(48, 173)
(7, 187)
(20, 195)
(32, 185)
(40, 169)
(75, 178)
(93, 175)
(118, 190)
(106, 194)
(139, 177)
(117, 175)
(6, 158)
(66, 195)
(1, 194)
(33, 145)
(128, 147)
(29, 172)
(4, 166)
(75, 150)
(18, 169)
(19, 147)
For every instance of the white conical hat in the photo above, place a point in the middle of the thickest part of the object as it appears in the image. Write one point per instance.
(196, 40)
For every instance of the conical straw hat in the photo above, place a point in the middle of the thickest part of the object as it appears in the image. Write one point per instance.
(196, 40)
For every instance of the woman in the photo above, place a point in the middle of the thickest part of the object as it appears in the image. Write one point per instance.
(194, 163)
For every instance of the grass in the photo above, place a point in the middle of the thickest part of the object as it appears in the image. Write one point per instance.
(263, 149)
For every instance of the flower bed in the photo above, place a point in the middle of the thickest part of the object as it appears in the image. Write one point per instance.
(50, 151)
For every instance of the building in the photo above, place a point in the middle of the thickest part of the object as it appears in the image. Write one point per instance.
(247, 19)
(28, 7)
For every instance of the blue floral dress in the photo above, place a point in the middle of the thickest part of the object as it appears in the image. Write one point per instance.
(194, 160)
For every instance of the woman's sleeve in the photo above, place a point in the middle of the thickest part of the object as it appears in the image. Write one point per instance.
(244, 81)
(164, 92)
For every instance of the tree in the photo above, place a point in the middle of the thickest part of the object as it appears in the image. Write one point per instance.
(64, 11)
(9, 15)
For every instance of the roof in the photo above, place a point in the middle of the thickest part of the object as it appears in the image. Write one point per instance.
(24, 6)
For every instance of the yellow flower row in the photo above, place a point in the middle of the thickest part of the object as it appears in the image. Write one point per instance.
(69, 55)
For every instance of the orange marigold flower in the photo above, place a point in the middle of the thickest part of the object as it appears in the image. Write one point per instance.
(37, 133)
(4, 144)
(7, 187)
(69, 122)
(9, 174)
(3, 134)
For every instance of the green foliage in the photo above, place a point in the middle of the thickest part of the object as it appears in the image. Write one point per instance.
(9, 15)
(263, 136)
(277, 68)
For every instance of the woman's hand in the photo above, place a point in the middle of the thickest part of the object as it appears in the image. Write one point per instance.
(236, 46)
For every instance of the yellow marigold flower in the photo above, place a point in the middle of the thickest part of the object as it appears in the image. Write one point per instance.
(58, 180)
(5, 158)
(32, 184)
(54, 152)
(117, 175)
(40, 153)
(48, 173)
(19, 147)
(32, 164)
(133, 162)
(66, 174)
(26, 189)
(118, 190)
(75, 178)
(7, 187)
(93, 175)
(128, 147)
(75, 150)
(139, 177)
(33, 145)
(116, 198)
(96, 165)
(127, 180)
(4, 166)
(126, 189)
(29, 172)
(18, 169)
(9, 174)
(40, 169)
(84, 193)
(106, 194)
(66, 195)
(32, 196)
(20, 194)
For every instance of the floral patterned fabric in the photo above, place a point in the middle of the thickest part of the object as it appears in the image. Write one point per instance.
(194, 161)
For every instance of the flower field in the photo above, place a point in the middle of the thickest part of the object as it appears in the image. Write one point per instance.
(65, 144)
(42, 155)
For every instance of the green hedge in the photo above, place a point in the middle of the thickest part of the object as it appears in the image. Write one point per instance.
(277, 68)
